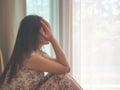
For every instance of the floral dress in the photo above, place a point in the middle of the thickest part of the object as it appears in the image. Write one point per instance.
(29, 79)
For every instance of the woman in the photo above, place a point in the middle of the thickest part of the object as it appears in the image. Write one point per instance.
(26, 67)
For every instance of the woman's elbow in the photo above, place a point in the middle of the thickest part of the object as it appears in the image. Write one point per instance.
(67, 70)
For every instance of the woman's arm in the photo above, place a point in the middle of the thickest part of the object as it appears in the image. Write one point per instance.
(60, 56)
(41, 63)
(47, 34)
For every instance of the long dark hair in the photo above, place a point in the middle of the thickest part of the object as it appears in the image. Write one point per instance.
(26, 42)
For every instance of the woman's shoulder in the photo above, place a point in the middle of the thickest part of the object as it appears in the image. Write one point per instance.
(42, 62)
(32, 58)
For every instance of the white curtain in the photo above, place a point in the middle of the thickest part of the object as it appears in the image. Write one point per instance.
(65, 28)
(96, 44)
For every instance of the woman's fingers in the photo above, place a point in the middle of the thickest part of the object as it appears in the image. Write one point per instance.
(44, 27)
(42, 31)
(48, 25)
(48, 33)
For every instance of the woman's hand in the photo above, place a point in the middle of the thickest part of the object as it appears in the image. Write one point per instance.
(46, 31)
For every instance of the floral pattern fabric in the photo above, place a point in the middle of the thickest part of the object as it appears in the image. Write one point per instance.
(29, 79)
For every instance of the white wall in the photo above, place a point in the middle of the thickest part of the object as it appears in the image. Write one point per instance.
(11, 13)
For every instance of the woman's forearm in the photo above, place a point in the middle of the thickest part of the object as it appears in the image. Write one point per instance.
(60, 56)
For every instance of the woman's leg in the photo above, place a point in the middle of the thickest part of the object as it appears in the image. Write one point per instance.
(75, 85)
(57, 82)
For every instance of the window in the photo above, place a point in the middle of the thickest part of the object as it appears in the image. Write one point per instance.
(96, 44)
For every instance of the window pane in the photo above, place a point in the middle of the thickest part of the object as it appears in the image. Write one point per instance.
(39, 7)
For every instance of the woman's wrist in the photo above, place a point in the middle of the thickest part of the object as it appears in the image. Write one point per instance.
(52, 40)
